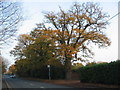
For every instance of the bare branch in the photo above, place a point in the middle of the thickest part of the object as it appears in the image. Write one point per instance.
(10, 16)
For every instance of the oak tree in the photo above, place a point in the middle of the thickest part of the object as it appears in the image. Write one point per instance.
(73, 30)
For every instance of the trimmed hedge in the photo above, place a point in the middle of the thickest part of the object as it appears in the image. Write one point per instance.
(105, 73)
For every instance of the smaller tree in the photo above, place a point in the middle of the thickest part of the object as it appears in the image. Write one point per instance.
(3, 68)
(12, 69)
(34, 52)
(91, 63)
(3, 64)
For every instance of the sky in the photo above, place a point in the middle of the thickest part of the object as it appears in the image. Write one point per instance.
(33, 11)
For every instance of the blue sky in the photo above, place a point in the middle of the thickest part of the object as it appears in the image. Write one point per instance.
(33, 13)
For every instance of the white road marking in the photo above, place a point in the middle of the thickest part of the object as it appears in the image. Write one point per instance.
(31, 84)
(42, 87)
(25, 82)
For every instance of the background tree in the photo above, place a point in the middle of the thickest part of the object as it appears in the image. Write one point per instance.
(3, 68)
(12, 69)
(10, 16)
(3, 64)
(76, 66)
(91, 63)
(23, 42)
(23, 67)
(74, 30)
(34, 52)
(33, 47)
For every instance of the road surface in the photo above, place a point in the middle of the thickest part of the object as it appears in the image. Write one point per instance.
(21, 83)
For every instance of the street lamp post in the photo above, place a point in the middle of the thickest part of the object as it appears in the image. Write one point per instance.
(49, 72)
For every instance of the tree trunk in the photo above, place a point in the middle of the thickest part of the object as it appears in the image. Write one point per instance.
(68, 68)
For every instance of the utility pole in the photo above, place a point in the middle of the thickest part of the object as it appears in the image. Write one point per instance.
(118, 31)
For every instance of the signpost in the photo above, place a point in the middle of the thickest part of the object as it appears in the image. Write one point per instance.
(49, 72)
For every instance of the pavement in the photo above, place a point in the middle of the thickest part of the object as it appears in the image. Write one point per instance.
(74, 83)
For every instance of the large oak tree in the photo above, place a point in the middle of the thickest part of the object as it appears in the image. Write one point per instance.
(73, 30)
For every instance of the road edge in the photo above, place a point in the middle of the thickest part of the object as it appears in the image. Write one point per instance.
(8, 86)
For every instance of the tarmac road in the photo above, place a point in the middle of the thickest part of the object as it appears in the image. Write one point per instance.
(21, 83)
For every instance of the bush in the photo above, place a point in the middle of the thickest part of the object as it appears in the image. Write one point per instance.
(105, 73)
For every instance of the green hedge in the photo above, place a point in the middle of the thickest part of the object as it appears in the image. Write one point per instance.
(105, 73)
